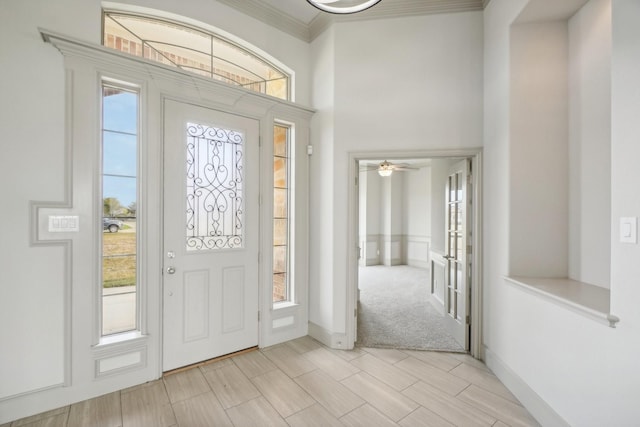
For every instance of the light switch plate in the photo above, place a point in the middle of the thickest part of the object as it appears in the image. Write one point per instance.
(629, 230)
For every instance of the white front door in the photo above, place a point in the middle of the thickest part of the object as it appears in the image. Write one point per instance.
(458, 268)
(211, 236)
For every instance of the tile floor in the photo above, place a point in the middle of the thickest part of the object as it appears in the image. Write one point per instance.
(303, 383)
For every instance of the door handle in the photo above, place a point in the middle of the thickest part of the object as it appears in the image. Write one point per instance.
(171, 270)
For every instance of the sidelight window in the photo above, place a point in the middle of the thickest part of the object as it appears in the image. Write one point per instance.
(281, 213)
(119, 198)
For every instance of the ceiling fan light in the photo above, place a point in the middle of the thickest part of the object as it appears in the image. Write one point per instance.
(343, 6)
(385, 169)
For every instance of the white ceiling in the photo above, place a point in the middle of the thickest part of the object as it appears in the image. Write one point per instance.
(301, 20)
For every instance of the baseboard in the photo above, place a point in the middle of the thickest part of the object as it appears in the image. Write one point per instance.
(328, 338)
(536, 406)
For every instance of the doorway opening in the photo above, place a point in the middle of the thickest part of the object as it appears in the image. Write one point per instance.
(414, 272)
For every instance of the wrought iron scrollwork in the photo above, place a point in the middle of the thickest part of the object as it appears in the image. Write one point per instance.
(215, 193)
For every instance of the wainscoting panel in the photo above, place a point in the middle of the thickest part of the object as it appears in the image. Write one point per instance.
(372, 250)
(392, 249)
(418, 248)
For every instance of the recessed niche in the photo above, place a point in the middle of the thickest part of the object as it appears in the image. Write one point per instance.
(560, 144)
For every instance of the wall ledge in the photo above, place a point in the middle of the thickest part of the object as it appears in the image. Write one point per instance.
(583, 298)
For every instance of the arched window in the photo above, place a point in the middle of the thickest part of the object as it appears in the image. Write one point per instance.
(193, 50)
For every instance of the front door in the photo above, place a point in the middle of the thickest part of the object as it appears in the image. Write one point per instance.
(211, 190)
(458, 268)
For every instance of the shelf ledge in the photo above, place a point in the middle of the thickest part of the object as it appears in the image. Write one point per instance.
(584, 298)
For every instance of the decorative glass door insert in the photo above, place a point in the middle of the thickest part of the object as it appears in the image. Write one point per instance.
(215, 188)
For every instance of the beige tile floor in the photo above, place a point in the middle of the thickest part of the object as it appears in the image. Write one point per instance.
(303, 383)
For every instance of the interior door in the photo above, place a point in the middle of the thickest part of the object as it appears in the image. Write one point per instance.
(458, 267)
(211, 236)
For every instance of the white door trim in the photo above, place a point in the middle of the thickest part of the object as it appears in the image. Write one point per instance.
(475, 154)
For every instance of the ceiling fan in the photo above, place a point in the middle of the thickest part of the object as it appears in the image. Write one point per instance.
(386, 168)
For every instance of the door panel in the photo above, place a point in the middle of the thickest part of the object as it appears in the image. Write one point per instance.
(211, 234)
(196, 297)
(457, 271)
(233, 290)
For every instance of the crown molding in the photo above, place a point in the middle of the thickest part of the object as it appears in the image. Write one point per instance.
(396, 9)
(319, 24)
(271, 16)
(383, 10)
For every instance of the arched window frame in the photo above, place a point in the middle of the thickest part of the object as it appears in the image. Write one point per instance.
(215, 33)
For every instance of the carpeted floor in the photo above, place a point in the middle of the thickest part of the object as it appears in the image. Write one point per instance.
(394, 310)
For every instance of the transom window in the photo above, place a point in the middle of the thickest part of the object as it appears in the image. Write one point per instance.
(193, 50)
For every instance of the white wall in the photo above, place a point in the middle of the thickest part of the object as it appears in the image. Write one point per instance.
(370, 209)
(373, 208)
(560, 145)
(562, 365)
(321, 204)
(32, 168)
(417, 202)
(32, 287)
(362, 218)
(395, 210)
(403, 84)
(539, 150)
(391, 218)
(590, 143)
(416, 222)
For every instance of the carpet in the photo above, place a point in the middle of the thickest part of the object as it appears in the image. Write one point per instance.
(394, 311)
